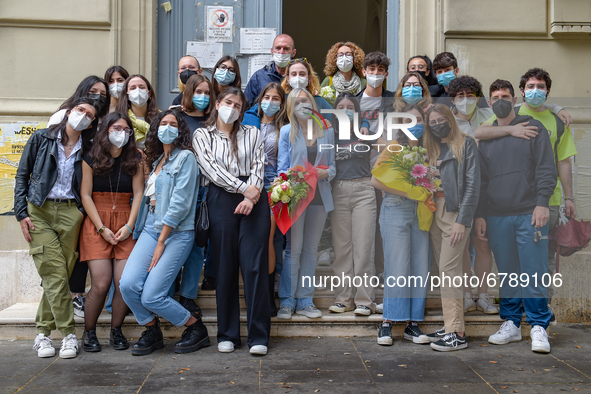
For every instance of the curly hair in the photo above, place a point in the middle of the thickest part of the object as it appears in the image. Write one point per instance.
(399, 102)
(313, 84)
(465, 83)
(154, 148)
(331, 68)
(537, 73)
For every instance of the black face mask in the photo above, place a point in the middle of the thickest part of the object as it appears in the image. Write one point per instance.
(185, 75)
(99, 100)
(441, 130)
(502, 108)
(423, 74)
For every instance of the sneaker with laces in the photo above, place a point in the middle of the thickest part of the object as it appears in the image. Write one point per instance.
(43, 346)
(485, 304)
(508, 332)
(553, 317)
(258, 350)
(310, 311)
(539, 340)
(225, 347)
(380, 308)
(78, 303)
(469, 304)
(337, 308)
(437, 335)
(385, 334)
(450, 342)
(285, 312)
(69, 348)
(412, 332)
(362, 310)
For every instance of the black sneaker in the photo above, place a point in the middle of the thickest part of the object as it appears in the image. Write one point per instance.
(90, 343)
(450, 342)
(208, 283)
(150, 340)
(194, 337)
(412, 332)
(78, 303)
(118, 340)
(189, 305)
(437, 335)
(385, 334)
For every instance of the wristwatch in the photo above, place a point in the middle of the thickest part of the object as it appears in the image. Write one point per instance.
(569, 199)
(102, 229)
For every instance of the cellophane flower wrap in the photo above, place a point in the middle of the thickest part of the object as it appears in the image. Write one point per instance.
(406, 170)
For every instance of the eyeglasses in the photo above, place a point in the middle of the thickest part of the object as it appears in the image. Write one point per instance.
(437, 121)
(120, 128)
(540, 86)
(81, 111)
(224, 67)
(298, 60)
(415, 84)
(341, 54)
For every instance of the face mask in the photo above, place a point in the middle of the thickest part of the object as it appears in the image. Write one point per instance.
(200, 101)
(303, 110)
(412, 94)
(224, 77)
(78, 121)
(350, 114)
(269, 107)
(298, 82)
(535, 97)
(502, 108)
(138, 97)
(446, 78)
(115, 89)
(167, 134)
(227, 114)
(441, 130)
(281, 59)
(422, 74)
(99, 101)
(118, 138)
(345, 63)
(417, 130)
(375, 80)
(186, 74)
(466, 105)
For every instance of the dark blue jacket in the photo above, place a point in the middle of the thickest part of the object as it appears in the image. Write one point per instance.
(260, 79)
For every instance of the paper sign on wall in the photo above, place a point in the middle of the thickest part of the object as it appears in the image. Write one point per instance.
(255, 63)
(256, 40)
(219, 22)
(207, 53)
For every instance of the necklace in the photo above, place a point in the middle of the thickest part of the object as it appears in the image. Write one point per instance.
(114, 196)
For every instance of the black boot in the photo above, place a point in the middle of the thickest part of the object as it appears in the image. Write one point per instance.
(90, 343)
(189, 305)
(208, 283)
(272, 294)
(150, 340)
(194, 337)
(118, 340)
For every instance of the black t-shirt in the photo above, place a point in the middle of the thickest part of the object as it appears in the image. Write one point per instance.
(108, 184)
(177, 100)
(312, 153)
(194, 122)
(352, 159)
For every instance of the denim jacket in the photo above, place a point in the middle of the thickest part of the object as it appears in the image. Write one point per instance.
(177, 190)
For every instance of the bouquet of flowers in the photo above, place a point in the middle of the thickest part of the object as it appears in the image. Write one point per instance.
(328, 93)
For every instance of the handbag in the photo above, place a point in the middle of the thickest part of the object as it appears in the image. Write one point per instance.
(202, 222)
(569, 238)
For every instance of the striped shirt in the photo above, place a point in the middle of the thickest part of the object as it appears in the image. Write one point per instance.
(65, 170)
(220, 166)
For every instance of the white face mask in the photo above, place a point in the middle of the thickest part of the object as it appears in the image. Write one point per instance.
(298, 82)
(375, 80)
(118, 138)
(303, 110)
(115, 89)
(345, 63)
(281, 59)
(138, 97)
(78, 121)
(228, 115)
(466, 105)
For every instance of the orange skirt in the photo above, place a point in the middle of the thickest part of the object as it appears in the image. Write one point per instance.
(92, 245)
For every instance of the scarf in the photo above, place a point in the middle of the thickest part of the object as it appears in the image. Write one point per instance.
(140, 127)
(341, 85)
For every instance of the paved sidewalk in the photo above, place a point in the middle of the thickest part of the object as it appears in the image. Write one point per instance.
(311, 365)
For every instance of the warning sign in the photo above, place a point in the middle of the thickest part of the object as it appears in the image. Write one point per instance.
(220, 23)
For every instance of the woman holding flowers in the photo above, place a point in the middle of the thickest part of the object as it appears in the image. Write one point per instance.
(402, 174)
(300, 144)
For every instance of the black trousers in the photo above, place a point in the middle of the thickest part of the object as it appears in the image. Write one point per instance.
(240, 242)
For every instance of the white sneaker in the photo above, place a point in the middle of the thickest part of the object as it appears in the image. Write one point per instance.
(226, 347)
(43, 346)
(469, 304)
(362, 310)
(284, 312)
(380, 308)
(310, 311)
(508, 332)
(539, 340)
(486, 305)
(324, 258)
(69, 348)
(260, 350)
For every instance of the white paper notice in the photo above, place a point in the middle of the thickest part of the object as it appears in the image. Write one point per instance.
(256, 40)
(207, 53)
(257, 62)
(220, 21)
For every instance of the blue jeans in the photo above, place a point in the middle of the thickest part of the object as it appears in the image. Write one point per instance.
(191, 273)
(512, 243)
(270, 175)
(301, 256)
(146, 293)
(406, 255)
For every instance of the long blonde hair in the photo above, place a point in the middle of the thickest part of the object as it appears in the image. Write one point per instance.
(399, 102)
(293, 120)
(455, 139)
(313, 82)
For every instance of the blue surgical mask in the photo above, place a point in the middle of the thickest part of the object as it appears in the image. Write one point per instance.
(224, 77)
(412, 94)
(350, 114)
(535, 97)
(200, 101)
(269, 107)
(446, 78)
(167, 134)
(417, 130)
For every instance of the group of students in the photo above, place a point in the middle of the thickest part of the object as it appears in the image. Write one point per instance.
(124, 181)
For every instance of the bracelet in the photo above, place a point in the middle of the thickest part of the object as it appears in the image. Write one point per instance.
(101, 230)
(246, 198)
(569, 199)
(130, 230)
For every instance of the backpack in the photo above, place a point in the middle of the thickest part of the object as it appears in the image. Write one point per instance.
(559, 133)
